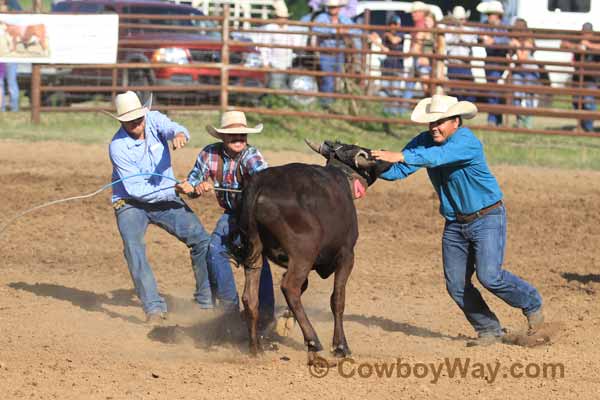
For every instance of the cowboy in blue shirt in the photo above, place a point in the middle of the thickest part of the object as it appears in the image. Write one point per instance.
(474, 235)
(332, 37)
(140, 148)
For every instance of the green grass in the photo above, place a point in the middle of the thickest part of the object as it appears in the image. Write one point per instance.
(287, 133)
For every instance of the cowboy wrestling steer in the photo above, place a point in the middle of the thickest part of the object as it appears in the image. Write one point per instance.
(302, 217)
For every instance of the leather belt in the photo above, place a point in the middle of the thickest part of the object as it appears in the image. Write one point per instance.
(464, 219)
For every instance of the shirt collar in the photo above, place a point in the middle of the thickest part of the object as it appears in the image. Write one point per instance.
(129, 141)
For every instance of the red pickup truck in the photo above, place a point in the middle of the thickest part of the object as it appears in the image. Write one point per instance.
(181, 48)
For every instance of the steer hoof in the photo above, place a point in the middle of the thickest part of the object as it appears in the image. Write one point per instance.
(317, 359)
(255, 350)
(341, 351)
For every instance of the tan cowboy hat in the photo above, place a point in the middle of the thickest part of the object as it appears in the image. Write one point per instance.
(336, 3)
(129, 107)
(490, 7)
(459, 12)
(439, 106)
(280, 9)
(233, 123)
(419, 6)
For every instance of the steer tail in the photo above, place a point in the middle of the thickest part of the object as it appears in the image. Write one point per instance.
(243, 242)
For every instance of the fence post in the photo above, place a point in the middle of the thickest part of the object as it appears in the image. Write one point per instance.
(580, 99)
(36, 78)
(437, 65)
(113, 94)
(35, 96)
(363, 57)
(225, 59)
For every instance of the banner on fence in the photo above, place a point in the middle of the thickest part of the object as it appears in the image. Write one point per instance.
(59, 39)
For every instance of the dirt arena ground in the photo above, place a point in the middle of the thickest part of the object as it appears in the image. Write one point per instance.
(72, 328)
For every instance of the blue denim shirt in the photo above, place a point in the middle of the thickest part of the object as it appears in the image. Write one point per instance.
(130, 157)
(333, 41)
(457, 170)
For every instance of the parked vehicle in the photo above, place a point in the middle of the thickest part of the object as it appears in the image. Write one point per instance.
(183, 49)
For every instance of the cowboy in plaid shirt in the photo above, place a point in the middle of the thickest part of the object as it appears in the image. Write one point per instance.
(226, 164)
(247, 163)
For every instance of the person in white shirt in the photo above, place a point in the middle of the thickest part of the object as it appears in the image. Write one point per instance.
(280, 34)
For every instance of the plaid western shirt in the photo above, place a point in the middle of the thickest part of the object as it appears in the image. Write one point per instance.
(248, 161)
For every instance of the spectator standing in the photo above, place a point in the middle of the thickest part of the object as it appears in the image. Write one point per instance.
(525, 72)
(11, 71)
(348, 10)
(493, 47)
(418, 11)
(580, 54)
(459, 45)
(280, 58)
(424, 43)
(393, 64)
(331, 37)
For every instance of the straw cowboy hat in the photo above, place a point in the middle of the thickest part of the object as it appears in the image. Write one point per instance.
(490, 7)
(281, 10)
(459, 12)
(129, 107)
(439, 106)
(419, 6)
(336, 3)
(233, 123)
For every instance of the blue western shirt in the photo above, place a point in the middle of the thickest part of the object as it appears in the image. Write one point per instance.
(457, 170)
(148, 155)
(333, 40)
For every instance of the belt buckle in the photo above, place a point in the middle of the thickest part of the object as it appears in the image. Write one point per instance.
(118, 204)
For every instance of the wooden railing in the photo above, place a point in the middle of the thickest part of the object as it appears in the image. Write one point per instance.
(363, 89)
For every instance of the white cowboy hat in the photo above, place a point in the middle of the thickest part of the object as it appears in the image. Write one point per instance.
(233, 123)
(419, 6)
(490, 7)
(280, 8)
(129, 107)
(459, 12)
(336, 3)
(439, 106)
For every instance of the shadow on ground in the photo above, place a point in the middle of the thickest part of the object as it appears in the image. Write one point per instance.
(97, 302)
(216, 330)
(587, 278)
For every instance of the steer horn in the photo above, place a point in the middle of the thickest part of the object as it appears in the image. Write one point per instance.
(314, 147)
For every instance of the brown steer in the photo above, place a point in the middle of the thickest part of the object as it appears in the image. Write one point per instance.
(302, 217)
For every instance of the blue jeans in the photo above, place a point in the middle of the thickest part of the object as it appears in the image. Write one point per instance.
(13, 87)
(179, 220)
(492, 76)
(478, 247)
(221, 275)
(330, 63)
(461, 74)
(524, 78)
(589, 104)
